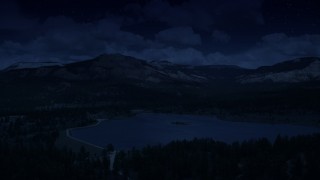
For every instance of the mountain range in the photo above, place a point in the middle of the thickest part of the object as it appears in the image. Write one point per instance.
(130, 83)
(121, 68)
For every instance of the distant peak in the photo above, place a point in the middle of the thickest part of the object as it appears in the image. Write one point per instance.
(300, 61)
(106, 56)
(290, 65)
(31, 65)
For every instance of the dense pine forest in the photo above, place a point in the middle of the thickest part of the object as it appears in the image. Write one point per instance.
(286, 158)
(28, 150)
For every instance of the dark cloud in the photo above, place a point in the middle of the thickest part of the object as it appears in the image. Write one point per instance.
(292, 46)
(203, 14)
(184, 15)
(179, 35)
(221, 36)
(186, 31)
(272, 48)
(62, 39)
(12, 19)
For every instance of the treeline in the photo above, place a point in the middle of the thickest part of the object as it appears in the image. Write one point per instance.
(286, 158)
(42, 162)
(223, 99)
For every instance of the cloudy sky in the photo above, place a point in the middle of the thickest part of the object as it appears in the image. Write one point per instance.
(248, 33)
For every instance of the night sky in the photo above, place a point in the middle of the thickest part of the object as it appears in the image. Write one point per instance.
(248, 33)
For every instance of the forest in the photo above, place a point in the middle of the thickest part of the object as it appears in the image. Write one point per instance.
(28, 150)
(286, 158)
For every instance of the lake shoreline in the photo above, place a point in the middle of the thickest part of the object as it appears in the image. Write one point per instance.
(145, 129)
(69, 135)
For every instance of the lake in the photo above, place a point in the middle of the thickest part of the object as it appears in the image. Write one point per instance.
(152, 129)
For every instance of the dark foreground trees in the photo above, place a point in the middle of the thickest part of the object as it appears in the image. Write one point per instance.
(40, 162)
(28, 151)
(287, 158)
(294, 158)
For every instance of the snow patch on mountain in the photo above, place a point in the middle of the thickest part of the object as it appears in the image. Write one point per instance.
(31, 65)
(311, 72)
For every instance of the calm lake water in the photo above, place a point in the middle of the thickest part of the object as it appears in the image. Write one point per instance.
(152, 129)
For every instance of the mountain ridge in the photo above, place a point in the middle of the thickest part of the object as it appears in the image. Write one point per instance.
(130, 83)
(292, 71)
(117, 66)
(30, 65)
